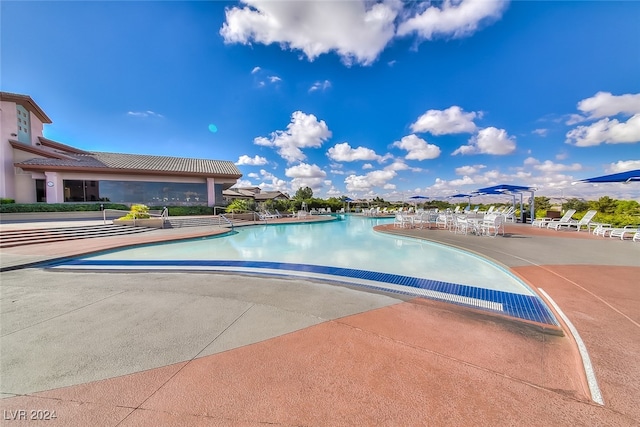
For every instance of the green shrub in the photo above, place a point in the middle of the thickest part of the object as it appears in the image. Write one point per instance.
(6, 201)
(137, 212)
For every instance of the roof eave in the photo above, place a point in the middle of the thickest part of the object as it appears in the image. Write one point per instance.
(27, 102)
(115, 171)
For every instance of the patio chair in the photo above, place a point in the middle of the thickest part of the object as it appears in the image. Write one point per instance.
(491, 225)
(403, 221)
(566, 218)
(585, 221)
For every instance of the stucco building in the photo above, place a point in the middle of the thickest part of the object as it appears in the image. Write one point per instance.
(37, 169)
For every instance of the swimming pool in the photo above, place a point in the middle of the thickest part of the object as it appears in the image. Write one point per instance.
(346, 250)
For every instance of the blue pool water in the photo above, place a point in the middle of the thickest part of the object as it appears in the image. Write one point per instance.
(347, 251)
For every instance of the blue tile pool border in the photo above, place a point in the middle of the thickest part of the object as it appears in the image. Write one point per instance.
(526, 307)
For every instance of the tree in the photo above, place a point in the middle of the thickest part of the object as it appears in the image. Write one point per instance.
(542, 203)
(304, 193)
(577, 204)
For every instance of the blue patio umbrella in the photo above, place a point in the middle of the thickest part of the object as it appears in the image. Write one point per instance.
(510, 189)
(624, 177)
(416, 198)
(464, 195)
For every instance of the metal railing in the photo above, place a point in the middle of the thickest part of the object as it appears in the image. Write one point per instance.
(164, 215)
(222, 217)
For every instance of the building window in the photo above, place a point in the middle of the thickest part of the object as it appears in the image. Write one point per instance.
(24, 128)
(129, 192)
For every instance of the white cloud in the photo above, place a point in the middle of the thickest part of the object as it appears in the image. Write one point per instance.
(367, 166)
(305, 175)
(397, 166)
(253, 175)
(357, 30)
(607, 131)
(454, 19)
(623, 166)
(469, 170)
(604, 104)
(489, 141)
(304, 170)
(541, 132)
(548, 166)
(444, 122)
(255, 70)
(147, 113)
(320, 86)
(378, 178)
(345, 153)
(531, 161)
(304, 131)
(417, 148)
(252, 161)
(274, 79)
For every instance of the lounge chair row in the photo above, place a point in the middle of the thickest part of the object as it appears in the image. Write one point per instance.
(566, 221)
(632, 231)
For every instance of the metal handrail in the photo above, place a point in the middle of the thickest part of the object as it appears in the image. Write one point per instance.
(164, 215)
(221, 216)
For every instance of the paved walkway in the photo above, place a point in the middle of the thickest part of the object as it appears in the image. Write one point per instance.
(175, 348)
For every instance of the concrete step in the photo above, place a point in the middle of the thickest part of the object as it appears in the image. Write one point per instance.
(13, 238)
(209, 221)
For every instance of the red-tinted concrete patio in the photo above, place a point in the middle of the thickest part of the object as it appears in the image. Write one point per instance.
(412, 362)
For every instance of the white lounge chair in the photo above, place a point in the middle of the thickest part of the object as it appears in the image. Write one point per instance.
(629, 230)
(585, 221)
(543, 222)
(566, 218)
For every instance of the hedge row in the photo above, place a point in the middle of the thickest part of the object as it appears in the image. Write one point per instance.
(58, 207)
(89, 207)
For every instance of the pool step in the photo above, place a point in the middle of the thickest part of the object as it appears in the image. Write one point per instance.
(13, 238)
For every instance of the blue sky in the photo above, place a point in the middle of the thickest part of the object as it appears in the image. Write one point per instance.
(365, 99)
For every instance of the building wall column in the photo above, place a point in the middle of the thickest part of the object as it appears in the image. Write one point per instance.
(211, 192)
(55, 187)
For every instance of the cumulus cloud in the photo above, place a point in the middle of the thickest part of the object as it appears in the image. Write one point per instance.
(305, 175)
(607, 131)
(444, 122)
(604, 104)
(548, 166)
(454, 19)
(345, 153)
(469, 170)
(255, 70)
(251, 161)
(357, 30)
(304, 131)
(623, 166)
(489, 141)
(320, 86)
(417, 148)
(378, 178)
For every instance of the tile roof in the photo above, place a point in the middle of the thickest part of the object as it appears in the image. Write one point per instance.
(139, 162)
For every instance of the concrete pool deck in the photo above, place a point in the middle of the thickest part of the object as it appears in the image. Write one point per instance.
(175, 348)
